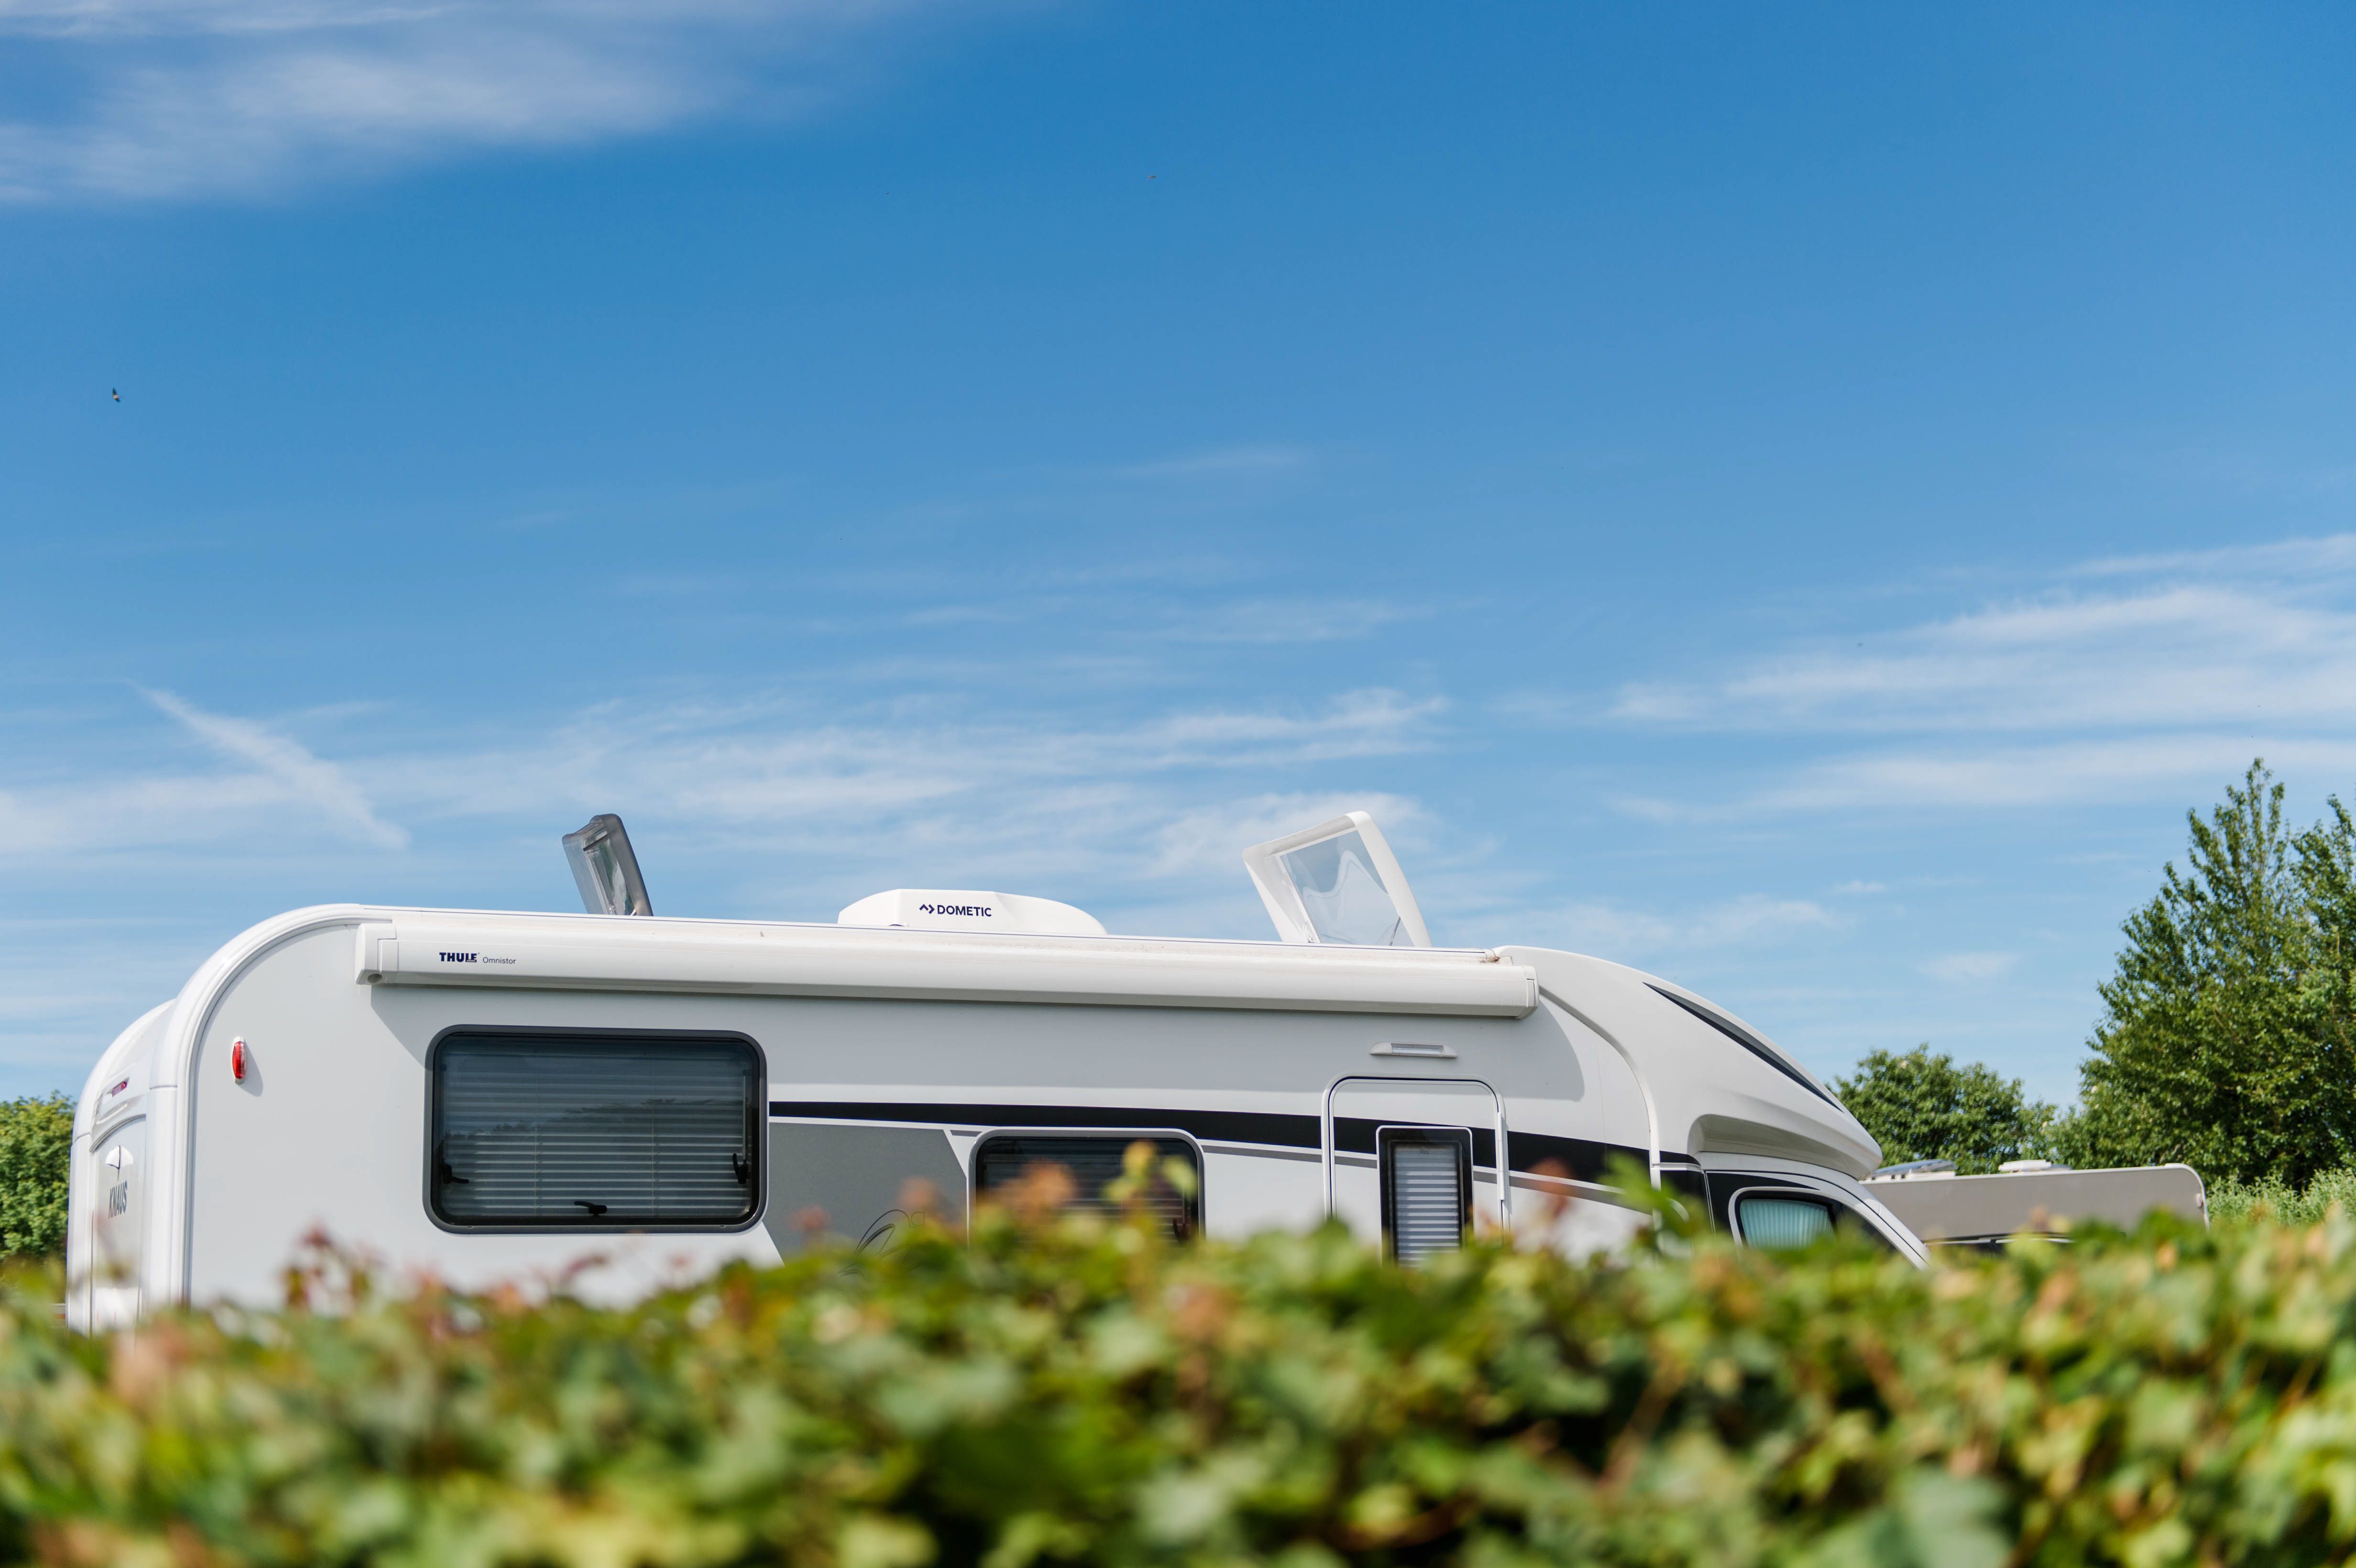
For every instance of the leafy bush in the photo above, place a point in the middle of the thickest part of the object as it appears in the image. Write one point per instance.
(2233, 1202)
(2228, 1038)
(36, 1137)
(1084, 1392)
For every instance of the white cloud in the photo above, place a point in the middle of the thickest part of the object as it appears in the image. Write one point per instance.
(1213, 838)
(1043, 799)
(2333, 553)
(302, 778)
(1967, 968)
(2206, 637)
(1962, 777)
(1860, 888)
(1017, 793)
(273, 790)
(2173, 655)
(2069, 773)
(2172, 675)
(101, 813)
(192, 97)
(1626, 935)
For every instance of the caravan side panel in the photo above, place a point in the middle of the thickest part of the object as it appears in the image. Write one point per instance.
(329, 1129)
(327, 1132)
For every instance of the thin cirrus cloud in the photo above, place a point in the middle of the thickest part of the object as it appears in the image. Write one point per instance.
(180, 98)
(1016, 789)
(1212, 838)
(2118, 679)
(268, 777)
(2076, 773)
(1636, 935)
(1970, 968)
(278, 771)
(2173, 654)
(1021, 794)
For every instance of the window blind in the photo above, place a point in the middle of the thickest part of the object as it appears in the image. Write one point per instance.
(1094, 1163)
(1778, 1224)
(554, 1132)
(1426, 1175)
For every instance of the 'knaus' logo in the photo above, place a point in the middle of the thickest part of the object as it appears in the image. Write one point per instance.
(980, 912)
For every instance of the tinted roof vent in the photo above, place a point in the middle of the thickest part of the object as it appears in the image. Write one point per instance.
(951, 909)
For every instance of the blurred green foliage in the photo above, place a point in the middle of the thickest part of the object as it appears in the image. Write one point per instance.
(1920, 1106)
(36, 1136)
(1083, 1391)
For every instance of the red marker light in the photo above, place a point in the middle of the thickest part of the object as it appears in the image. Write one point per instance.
(237, 1059)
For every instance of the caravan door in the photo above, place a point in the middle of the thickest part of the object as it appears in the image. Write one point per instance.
(117, 1224)
(1414, 1160)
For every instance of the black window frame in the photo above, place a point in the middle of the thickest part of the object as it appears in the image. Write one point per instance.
(757, 1142)
(1119, 1137)
(1388, 1139)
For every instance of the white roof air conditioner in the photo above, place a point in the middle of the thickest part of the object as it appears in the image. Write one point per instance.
(953, 909)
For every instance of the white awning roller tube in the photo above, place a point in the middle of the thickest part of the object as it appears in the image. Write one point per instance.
(574, 953)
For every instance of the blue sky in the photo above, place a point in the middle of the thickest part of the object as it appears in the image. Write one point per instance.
(1802, 500)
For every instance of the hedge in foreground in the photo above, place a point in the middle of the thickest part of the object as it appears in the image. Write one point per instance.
(1052, 1395)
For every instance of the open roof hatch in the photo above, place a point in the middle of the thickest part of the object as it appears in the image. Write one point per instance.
(1337, 882)
(605, 868)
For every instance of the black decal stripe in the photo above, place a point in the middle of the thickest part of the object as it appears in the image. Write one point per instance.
(1750, 1042)
(1583, 1158)
(1226, 1126)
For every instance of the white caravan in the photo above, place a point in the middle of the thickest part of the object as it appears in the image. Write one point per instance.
(500, 1095)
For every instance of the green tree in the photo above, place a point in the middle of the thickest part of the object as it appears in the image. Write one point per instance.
(2224, 1041)
(35, 1143)
(1922, 1105)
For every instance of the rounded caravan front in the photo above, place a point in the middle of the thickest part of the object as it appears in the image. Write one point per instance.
(503, 1095)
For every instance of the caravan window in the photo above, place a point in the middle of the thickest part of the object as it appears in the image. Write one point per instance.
(1093, 1161)
(1787, 1221)
(1427, 1178)
(551, 1132)
(1782, 1223)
